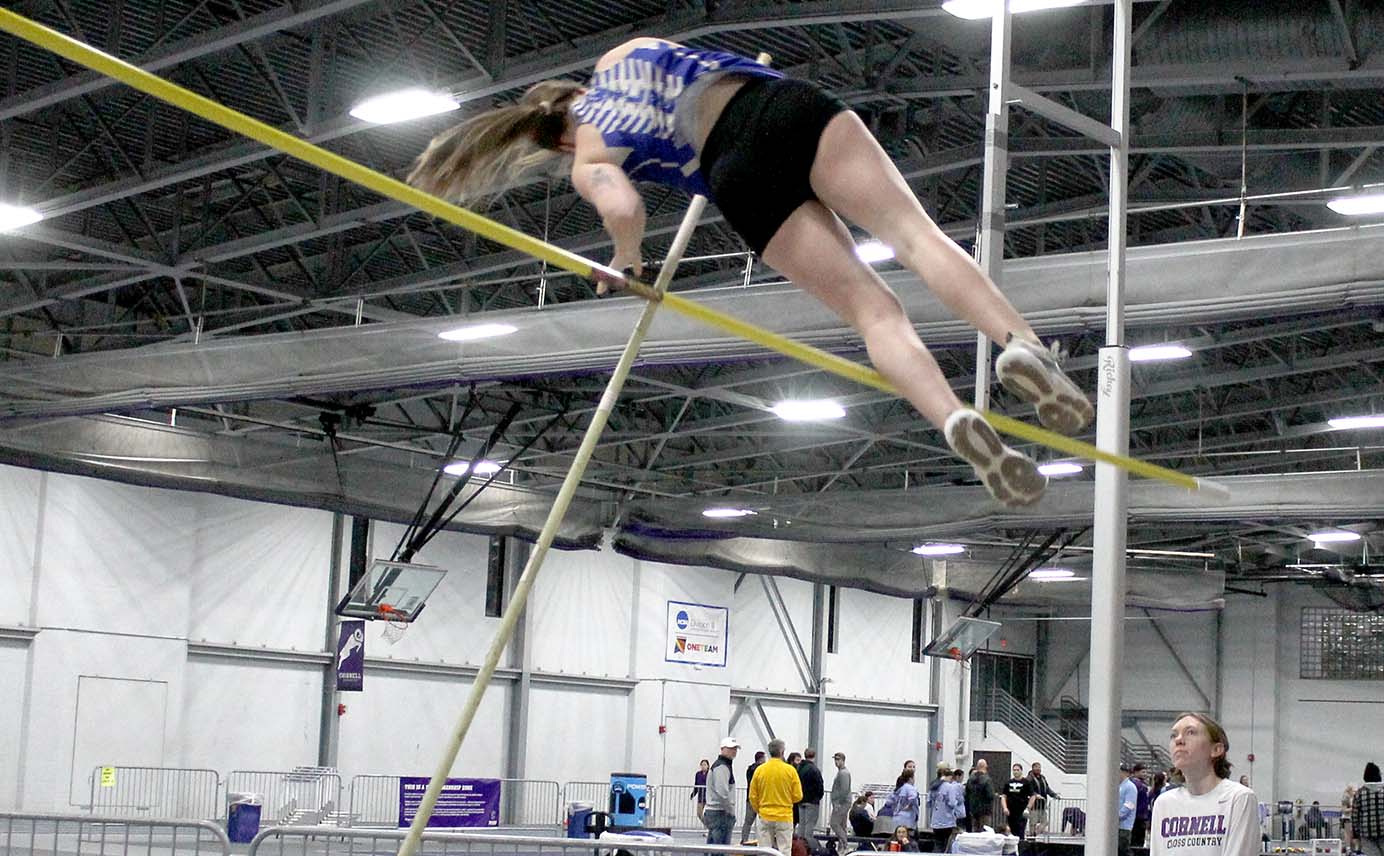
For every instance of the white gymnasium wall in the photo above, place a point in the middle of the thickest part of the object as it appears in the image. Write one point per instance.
(1328, 729)
(876, 744)
(1153, 680)
(578, 734)
(120, 580)
(19, 511)
(1249, 687)
(255, 566)
(874, 635)
(403, 720)
(14, 661)
(250, 715)
(581, 614)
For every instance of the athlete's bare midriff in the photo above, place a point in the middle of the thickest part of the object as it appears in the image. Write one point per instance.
(712, 101)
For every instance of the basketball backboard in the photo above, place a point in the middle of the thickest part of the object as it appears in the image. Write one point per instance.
(391, 591)
(962, 639)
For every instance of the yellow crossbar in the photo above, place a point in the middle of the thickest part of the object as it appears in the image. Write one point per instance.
(232, 120)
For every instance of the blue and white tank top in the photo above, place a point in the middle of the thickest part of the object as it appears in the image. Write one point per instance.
(644, 107)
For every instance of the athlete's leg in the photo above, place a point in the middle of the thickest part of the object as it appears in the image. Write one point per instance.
(854, 177)
(814, 249)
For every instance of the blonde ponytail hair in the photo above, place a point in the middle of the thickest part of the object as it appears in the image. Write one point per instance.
(485, 153)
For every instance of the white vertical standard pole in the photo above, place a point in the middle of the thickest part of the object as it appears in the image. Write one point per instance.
(1112, 488)
(568, 491)
(990, 241)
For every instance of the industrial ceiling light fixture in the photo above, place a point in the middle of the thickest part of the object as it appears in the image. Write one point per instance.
(808, 410)
(1333, 536)
(16, 217)
(484, 468)
(938, 549)
(1060, 468)
(974, 10)
(401, 106)
(1359, 205)
(477, 331)
(1149, 353)
(1052, 575)
(727, 513)
(1346, 423)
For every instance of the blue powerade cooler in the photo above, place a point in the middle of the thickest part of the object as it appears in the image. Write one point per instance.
(629, 799)
(584, 822)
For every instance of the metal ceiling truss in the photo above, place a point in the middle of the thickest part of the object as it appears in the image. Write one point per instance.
(160, 228)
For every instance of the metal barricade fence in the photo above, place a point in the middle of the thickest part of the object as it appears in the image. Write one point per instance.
(594, 794)
(303, 796)
(156, 792)
(314, 841)
(373, 802)
(1059, 817)
(674, 807)
(30, 834)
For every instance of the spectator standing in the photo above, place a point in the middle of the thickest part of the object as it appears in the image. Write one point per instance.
(1018, 800)
(1314, 822)
(906, 803)
(1367, 813)
(1144, 810)
(1160, 781)
(1129, 807)
(1042, 791)
(794, 759)
(908, 767)
(948, 809)
(862, 814)
(1211, 815)
(1347, 803)
(943, 775)
(699, 788)
(980, 796)
(750, 815)
(719, 816)
(773, 793)
(841, 802)
(814, 789)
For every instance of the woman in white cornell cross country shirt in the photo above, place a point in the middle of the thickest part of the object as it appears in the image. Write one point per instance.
(1211, 815)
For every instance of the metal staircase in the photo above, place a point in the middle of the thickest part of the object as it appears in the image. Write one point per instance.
(1065, 743)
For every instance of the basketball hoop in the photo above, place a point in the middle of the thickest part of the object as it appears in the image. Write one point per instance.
(394, 627)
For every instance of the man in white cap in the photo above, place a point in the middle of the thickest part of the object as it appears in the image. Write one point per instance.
(719, 815)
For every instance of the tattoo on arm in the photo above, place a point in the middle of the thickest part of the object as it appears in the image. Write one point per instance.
(600, 177)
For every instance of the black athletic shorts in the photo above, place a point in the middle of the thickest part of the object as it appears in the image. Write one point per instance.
(758, 157)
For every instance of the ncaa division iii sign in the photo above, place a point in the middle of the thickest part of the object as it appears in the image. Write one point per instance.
(696, 634)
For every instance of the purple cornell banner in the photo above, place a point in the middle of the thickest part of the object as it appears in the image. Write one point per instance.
(462, 803)
(350, 657)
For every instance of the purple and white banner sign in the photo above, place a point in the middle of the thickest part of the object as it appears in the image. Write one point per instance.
(350, 657)
(462, 803)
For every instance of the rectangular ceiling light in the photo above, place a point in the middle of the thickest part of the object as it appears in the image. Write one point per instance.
(974, 10)
(15, 216)
(1150, 353)
(1358, 206)
(1346, 423)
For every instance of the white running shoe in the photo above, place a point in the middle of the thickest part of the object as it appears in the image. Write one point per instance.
(1011, 477)
(1030, 371)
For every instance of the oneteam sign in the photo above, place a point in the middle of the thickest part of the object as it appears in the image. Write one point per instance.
(696, 634)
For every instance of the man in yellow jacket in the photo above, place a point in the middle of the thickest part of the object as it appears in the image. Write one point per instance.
(774, 790)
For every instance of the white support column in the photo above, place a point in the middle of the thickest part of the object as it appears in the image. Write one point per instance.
(990, 241)
(1112, 488)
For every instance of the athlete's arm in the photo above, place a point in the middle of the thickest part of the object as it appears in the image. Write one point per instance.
(606, 186)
